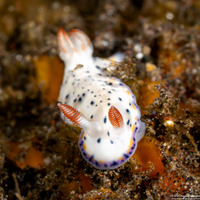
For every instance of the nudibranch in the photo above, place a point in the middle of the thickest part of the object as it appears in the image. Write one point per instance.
(103, 106)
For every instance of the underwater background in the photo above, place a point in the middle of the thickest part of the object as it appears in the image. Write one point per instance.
(39, 154)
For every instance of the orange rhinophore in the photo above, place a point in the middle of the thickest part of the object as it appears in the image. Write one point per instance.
(115, 117)
(71, 113)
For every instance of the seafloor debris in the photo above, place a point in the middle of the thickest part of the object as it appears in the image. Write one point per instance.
(39, 155)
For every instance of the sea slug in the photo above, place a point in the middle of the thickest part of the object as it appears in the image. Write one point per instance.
(103, 106)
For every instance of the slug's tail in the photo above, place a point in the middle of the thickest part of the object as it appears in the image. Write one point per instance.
(74, 48)
(141, 132)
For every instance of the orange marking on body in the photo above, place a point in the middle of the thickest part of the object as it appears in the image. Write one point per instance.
(115, 117)
(128, 92)
(84, 146)
(133, 128)
(71, 113)
(101, 162)
(120, 158)
(133, 106)
(112, 79)
(130, 144)
(83, 136)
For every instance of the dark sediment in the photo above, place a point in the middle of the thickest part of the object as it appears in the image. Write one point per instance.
(39, 155)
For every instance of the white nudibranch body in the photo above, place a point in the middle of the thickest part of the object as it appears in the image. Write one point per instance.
(102, 106)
